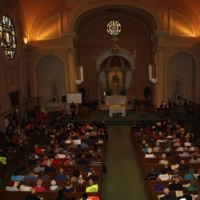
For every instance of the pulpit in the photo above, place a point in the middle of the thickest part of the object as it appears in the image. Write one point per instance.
(84, 112)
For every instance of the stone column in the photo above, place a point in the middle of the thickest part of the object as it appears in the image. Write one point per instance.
(159, 87)
(71, 73)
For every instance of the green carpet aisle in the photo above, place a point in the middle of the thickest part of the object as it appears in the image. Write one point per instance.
(123, 180)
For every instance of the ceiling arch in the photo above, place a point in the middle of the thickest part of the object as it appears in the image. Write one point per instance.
(121, 12)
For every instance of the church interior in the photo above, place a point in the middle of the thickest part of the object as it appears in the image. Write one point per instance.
(117, 55)
(106, 48)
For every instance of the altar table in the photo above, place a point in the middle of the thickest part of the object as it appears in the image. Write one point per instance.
(114, 109)
(116, 100)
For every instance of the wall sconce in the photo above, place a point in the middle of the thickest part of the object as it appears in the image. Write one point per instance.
(25, 40)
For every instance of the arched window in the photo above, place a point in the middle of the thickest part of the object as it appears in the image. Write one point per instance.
(8, 37)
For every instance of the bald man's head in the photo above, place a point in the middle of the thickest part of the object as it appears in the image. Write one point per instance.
(166, 191)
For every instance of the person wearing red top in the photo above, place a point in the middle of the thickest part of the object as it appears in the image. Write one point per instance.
(56, 161)
(39, 187)
(37, 150)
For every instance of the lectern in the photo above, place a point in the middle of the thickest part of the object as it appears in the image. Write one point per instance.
(84, 112)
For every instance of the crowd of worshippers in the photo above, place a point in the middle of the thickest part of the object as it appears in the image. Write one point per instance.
(67, 145)
(176, 148)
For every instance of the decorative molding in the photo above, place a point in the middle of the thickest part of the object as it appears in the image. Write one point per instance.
(162, 32)
(68, 34)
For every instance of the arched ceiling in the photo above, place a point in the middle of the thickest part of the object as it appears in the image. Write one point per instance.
(117, 13)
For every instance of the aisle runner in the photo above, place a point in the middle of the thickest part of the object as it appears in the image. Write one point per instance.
(123, 180)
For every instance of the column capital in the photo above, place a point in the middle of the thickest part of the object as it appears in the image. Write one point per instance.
(68, 35)
(160, 48)
(72, 50)
(161, 33)
(28, 47)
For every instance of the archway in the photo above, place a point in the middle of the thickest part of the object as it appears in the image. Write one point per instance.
(51, 78)
(181, 70)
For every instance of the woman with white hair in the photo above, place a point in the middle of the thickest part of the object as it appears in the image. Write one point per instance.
(54, 187)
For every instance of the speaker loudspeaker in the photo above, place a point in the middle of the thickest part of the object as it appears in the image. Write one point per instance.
(63, 98)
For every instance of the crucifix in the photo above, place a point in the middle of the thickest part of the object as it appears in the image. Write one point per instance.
(114, 39)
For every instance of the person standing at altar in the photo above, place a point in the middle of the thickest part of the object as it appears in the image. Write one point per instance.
(73, 109)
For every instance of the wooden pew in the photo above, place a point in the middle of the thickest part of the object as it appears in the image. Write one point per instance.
(4, 195)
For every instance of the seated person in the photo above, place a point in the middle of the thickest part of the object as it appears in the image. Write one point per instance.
(167, 195)
(149, 154)
(44, 162)
(176, 175)
(159, 186)
(92, 187)
(32, 159)
(25, 186)
(176, 185)
(38, 167)
(194, 159)
(54, 187)
(151, 176)
(61, 176)
(180, 148)
(189, 175)
(82, 161)
(16, 176)
(39, 187)
(177, 142)
(183, 166)
(56, 161)
(80, 187)
(61, 154)
(29, 176)
(68, 187)
(49, 168)
(42, 176)
(11, 186)
(187, 143)
(163, 160)
(185, 195)
(37, 149)
(145, 150)
(194, 185)
(164, 176)
(185, 152)
(93, 176)
(75, 176)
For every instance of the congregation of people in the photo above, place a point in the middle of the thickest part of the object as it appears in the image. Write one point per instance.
(169, 158)
(66, 160)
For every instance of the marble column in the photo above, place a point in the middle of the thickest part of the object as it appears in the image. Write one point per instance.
(71, 67)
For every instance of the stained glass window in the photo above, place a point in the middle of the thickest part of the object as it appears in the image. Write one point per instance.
(8, 37)
(113, 27)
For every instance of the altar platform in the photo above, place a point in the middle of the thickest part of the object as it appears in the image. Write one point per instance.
(106, 107)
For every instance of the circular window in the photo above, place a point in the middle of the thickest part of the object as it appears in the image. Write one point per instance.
(8, 37)
(113, 27)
